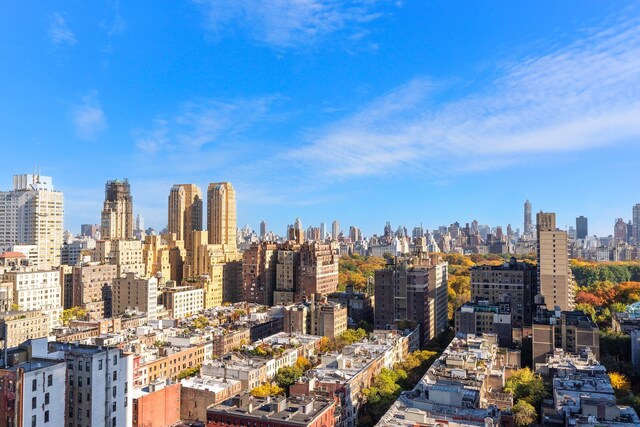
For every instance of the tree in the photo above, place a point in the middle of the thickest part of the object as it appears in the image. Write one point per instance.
(287, 376)
(525, 385)
(303, 364)
(74, 313)
(201, 322)
(267, 389)
(189, 372)
(524, 413)
(620, 384)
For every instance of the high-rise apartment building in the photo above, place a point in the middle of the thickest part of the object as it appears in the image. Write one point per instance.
(258, 273)
(221, 215)
(554, 277)
(318, 270)
(92, 291)
(528, 224)
(515, 280)
(355, 234)
(33, 214)
(185, 212)
(134, 293)
(412, 290)
(117, 212)
(635, 235)
(620, 231)
(335, 230)
(582, 227)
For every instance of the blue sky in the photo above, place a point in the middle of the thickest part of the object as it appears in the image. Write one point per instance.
(362, 111)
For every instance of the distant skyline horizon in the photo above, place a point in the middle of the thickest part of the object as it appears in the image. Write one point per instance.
(280, 228)
(407, 111)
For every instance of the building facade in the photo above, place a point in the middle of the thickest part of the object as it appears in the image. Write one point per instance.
(33, 214)
(554, 276)
(117, 212)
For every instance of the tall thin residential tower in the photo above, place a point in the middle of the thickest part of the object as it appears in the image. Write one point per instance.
(528, 225)
(554, 278)
(117, 212)
(221, 215)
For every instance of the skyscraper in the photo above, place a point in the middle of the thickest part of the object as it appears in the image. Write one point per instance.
(582, 227)
(33, 214)
(528, 225)
(221, 215)
(185, 212)
(117, 212)
(323, 231)
(553, 263)
(636, 224)
(335, 230)
(263, 229)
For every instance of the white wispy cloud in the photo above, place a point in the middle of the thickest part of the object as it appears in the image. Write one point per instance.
(583, 95)
(59, 32)
(289, 23)
(88, 118)
(200, 123)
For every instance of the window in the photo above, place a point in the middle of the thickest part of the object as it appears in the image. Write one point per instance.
(46, 416)
(113, 422)
(115, 359)
(79, 365)
(88, 380)
(79, 381)
(34, 402)
(100, 365)
(115, 375)
(33, 421)
(50, 380)
(46, 398)
(34, 384)
(114, 391)
(87, 366)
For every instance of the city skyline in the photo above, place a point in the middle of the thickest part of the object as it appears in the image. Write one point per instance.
(291, 129)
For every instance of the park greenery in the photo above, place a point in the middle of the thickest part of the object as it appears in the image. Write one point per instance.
(528, 390)
(356, 270)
